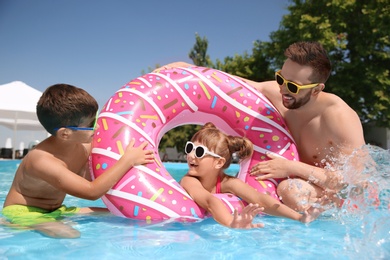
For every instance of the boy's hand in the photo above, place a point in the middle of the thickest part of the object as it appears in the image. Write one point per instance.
(137, 155)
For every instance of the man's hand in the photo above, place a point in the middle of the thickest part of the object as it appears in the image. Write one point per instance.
(277, 167)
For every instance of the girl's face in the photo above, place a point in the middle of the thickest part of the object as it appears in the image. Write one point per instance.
(200, 167)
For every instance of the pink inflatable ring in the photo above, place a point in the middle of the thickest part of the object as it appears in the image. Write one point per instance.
(149, 106)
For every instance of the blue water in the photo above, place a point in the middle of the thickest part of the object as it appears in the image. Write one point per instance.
(337, 234)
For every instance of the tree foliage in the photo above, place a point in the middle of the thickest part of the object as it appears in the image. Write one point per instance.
(256, 66)
(177, 137)
(198, 53)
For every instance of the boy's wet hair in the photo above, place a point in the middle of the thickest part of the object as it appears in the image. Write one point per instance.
(64, 105)
(222, 144)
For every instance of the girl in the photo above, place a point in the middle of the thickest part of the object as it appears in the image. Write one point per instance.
(208, 154)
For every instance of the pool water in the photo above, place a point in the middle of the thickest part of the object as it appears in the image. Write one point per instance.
(363, 233)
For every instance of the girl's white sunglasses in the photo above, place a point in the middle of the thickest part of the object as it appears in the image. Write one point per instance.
(200, 150)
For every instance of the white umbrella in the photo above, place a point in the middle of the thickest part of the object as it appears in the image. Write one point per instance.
(18, 103)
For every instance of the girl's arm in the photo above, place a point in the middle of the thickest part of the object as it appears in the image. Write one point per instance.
(216, 208)
(271, 206)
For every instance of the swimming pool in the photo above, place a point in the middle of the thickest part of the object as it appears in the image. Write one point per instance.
(342, 234)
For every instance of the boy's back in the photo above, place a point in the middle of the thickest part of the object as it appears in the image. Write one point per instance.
(41, 166)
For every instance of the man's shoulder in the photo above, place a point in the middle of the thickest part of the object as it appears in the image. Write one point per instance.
(271, 90)
(335, 104)
(266, 85)
(337, 112)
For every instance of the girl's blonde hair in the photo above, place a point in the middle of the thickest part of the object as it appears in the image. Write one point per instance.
(222, 144)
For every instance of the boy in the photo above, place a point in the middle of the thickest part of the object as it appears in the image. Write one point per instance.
(59, 165)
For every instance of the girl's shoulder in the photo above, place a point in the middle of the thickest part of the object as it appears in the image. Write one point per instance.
(229, 183)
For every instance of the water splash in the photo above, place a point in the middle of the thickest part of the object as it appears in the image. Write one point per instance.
(366, 208)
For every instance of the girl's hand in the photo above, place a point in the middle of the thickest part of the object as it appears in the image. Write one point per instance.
(245, 218)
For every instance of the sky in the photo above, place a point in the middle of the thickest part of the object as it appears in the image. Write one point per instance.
(100, 45)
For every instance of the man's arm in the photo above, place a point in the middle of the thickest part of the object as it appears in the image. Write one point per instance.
(172, 65)
(282, 168)
(270, 89)
(347, 135)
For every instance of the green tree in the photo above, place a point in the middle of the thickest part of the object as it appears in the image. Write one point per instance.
(255, 66)
(198, 53)
(177, 137)
(356, 35)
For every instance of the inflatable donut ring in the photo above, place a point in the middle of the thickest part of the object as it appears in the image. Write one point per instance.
(149, 106)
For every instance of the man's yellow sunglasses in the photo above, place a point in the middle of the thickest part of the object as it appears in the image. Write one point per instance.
(291, 86)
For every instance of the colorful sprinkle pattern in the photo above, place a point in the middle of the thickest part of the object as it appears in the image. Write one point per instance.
(149, 106)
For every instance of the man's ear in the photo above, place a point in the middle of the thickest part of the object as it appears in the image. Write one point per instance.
(318, 89)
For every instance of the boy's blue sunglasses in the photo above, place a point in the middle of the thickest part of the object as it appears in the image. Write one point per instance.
(76, 128)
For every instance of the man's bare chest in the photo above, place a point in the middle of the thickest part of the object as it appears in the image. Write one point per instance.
(315, 145)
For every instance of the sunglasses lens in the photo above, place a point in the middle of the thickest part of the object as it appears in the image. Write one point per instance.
(292, 87)
(199, 152)
(188, 148)
(96, 119)
(93, 124)
(279, 79)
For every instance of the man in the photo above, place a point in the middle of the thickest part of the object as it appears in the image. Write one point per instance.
(323, 126)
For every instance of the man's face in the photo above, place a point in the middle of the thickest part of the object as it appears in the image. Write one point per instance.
(292, 101)
(299, 75)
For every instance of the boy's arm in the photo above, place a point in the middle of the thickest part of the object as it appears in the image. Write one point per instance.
(58, 175)
(86, 174)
